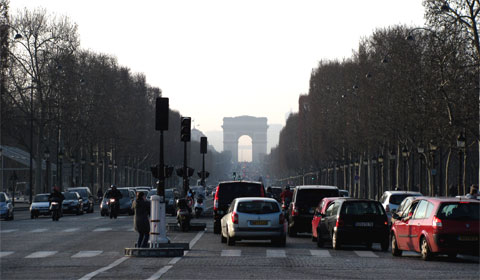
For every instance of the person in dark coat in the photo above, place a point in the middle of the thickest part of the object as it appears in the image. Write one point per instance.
(140, 222)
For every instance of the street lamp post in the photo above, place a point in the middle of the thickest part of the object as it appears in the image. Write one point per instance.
(420, 150)
(82, 164)
(432, 149)
(31, 144)
(60, 163)
(47, 163)
(461, 147)
(392, 168)
(92, 173)
(405, 157)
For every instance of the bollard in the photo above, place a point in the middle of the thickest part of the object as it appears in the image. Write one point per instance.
(158, 234)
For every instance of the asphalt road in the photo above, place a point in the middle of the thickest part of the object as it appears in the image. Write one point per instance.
(92, 247)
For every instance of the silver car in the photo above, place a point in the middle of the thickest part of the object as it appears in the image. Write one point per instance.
(253, 218)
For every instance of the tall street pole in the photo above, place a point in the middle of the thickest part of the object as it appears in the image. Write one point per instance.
(31, 144)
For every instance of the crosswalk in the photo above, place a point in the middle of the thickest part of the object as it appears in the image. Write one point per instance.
(67, 230)
(231, 253)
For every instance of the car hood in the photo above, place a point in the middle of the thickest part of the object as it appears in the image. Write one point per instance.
(70, 201)
(41, 204)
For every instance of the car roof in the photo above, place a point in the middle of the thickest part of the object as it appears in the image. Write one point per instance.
(357, 199)
(403, 192)
(42, 194)
(242, 199)
(249, 182)
(312, 187)
(447, 199)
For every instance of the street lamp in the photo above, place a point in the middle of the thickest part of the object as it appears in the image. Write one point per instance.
(432, 147)
(46, 154)
(72, 172)
(461, 148)
(393, 157)
(82, 164)
(92, 172)
(421, 151)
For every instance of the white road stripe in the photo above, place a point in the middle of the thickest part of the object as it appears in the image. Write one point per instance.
(320, 253)
(367, 254)
(39, 230)
(8, 230)
(103, 229)
(103, 269)
(41, 254)
(276, 254)
(231, 253)
(164, 269)
(5, 253)
(71, 229)
(96, 218)
(87, 254)
(410, 254)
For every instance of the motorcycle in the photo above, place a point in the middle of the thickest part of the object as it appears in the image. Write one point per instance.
(113, 208)
(183, 215)
(199, 206)
(285, 205)
(55, 210)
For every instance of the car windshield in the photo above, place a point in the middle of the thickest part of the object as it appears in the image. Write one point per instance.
(2, 197)
(358, 208)
(168, 193)
(459, 211)
(398, 198)
(229, 191)
(311, 197)
(257, 207)
(70, 195)
(81, 192)
(41, 198)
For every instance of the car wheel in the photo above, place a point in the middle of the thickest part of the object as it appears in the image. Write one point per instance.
(395, 251)
(216, 227)
(32, 216)
(291, 231)
(384, 245)
(425, 250)
(230, 240)
(319, 241)
(335, 241)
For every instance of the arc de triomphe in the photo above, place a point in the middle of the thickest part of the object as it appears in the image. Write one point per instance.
(256, 128)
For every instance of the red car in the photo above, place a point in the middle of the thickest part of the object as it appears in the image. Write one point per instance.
(317, 216)
(437, 226)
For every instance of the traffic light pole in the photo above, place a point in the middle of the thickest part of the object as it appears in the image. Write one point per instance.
(185, 170)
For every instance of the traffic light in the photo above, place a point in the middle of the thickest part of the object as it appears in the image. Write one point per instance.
(206, 174)
(203, 145)
(185, 129)
(154, 170)
(161, 114)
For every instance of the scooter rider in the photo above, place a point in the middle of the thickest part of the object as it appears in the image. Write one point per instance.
(57, 196)
(286, 195)
(117, 195)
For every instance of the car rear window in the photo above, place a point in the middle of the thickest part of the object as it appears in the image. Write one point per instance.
(257, 207)
(311, 197)
(81, 192)
(459, 211)
(227, 192)
(41, 198)
(398, 198)
(358, 208)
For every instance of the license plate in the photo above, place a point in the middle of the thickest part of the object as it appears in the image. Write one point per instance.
(259, 223)
(364, 224)
(467, 238)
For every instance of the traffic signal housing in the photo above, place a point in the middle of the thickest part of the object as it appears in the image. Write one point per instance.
(185, 129)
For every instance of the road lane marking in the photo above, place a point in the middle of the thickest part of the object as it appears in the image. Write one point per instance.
(103, 269)
(5, 253)
(231, 253)
(320, 253)
(96, 218)
(164, 269)
(103, 229)
(8, 230)
(39, 230)
(41, 254)
(366, 254)
(87, 254)
(276, 254)
(71, 229)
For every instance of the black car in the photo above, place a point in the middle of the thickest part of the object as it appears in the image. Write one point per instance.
(304, 201)
(73, 203)
(87, 197)
(354, 221)
(227, 192)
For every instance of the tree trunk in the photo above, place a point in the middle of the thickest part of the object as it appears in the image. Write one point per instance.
(447, 171)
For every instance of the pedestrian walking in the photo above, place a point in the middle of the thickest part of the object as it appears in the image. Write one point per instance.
(141, 223)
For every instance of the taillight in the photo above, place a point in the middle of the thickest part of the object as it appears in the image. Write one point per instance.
(234, 218)
(215, 202)
(262, 192)
(294, 210)
(436, 223)
(339, 223)
(281, 219)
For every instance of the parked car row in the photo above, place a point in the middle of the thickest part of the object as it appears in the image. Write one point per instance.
(77, 201)
(6, 207)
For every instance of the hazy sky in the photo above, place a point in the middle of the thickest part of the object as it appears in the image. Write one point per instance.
(217, 59)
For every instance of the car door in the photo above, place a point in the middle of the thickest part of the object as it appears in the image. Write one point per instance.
(324, 229)
(420, 223)
(403, 227)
